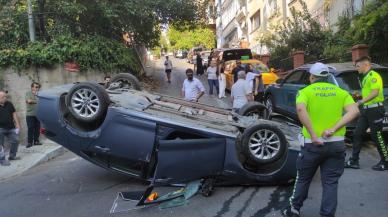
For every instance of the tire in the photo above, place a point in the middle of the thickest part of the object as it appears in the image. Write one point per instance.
(269, 104)
(126, 80)
(94, 96)
(263, 144)
(255, 110)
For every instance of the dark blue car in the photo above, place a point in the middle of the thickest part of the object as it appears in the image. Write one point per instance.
(164, 139)
(280, 97)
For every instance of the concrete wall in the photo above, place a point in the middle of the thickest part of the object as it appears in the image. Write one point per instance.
(18, 83)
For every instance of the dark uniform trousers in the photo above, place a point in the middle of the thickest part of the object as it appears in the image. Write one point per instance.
(330, 158)
(372, 118)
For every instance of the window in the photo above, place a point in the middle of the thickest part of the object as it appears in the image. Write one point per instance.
(349, 81)
(297, 77)
(255, 21)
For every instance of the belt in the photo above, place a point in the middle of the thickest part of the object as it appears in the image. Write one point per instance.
(330, 139)
(373, 105)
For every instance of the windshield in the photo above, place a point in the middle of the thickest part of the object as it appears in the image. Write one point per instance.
(349, 81)
(237, 54)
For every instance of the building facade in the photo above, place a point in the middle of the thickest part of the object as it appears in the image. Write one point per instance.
(251, 20)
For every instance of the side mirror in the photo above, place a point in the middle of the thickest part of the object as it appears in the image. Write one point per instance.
(279, 81)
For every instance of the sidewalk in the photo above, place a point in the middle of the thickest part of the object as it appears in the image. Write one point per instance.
(31, 157)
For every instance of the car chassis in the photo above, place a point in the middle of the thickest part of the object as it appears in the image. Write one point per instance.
(166, 140)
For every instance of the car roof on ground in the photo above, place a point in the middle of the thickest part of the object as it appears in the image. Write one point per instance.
(339, 68)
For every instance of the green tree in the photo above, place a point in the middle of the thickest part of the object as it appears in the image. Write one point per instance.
(371, 27)
(188, 38)
(88, 25)
(300, 32)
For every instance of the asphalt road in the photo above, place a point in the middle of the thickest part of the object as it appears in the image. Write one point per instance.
(69, 186)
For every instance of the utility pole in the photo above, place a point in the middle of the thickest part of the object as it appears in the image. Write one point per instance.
(31, 26)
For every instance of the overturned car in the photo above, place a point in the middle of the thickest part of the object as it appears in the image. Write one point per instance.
(164, 139)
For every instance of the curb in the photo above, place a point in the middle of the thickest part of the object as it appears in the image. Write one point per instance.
(49, 155)
(30, 159)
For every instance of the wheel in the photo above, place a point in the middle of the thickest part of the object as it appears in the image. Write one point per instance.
(87, 102)
(255, 110)
(269, 104)
(263, 143)
(125, 81)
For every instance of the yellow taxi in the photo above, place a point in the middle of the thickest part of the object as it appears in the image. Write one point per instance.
(268, 76)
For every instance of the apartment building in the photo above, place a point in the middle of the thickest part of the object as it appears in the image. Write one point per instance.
(251, 20)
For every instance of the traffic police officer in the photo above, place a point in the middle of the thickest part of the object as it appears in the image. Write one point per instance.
(320, 107)
(372, 115)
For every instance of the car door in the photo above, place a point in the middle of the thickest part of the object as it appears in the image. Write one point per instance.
(126, 144)
(286, 94)
(188, 158)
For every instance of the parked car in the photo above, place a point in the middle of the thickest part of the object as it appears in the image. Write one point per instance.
(179, 54)
(164, 139)
(269, 77)
(226, 54)
(280, 97)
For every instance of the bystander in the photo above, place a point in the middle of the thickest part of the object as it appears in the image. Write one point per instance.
(33, 124)
(9, 128)
(241, 92)
(192, 89)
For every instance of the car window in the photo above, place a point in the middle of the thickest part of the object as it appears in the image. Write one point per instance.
(297, 77)
(384, 76)
(349, 81)
(236, 54)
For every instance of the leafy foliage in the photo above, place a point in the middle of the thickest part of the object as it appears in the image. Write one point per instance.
(371, 27)
(300, 32)
(186, 39)
(92, 52)
(89, 32)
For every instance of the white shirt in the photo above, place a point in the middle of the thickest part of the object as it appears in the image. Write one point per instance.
(168, 64)
(192, 88)
(212, 73)
(239, 92)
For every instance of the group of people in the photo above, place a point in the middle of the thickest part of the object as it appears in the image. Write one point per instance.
(325, 109)
(247, 83)
(10, 125)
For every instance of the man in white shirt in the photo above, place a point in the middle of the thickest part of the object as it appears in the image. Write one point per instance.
(192, 88)
(168, 68)
(241, 92)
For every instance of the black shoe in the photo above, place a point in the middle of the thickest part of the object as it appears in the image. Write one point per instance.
(14, 158)
(38, 143)
(381, 166)
(351, 163)
(290, 212)
(29, 145)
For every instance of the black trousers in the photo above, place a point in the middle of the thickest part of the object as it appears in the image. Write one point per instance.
(370, 118)
(330, 159)
(33, 126)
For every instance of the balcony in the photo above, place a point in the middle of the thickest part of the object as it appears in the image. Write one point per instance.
(241, 14)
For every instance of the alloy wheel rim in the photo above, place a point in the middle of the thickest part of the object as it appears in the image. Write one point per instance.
(264, 144)
(85, 103)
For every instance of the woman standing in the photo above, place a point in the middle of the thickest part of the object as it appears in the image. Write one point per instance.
(212, 77)
(222, 82)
